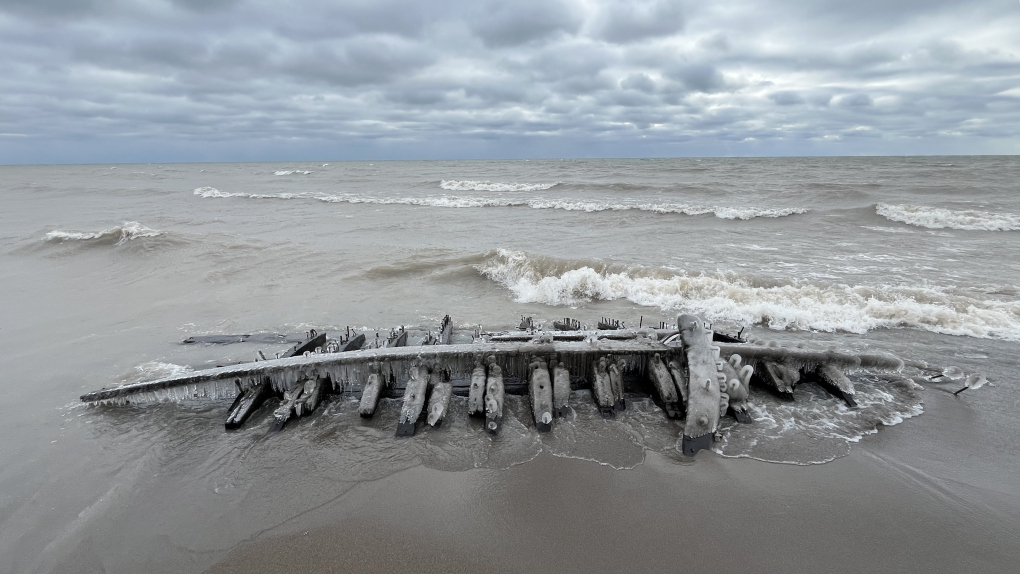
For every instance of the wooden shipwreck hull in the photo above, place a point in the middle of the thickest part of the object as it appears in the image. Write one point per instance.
(691, 372)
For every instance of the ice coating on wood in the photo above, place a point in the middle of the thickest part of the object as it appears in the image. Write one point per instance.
(703, 386)
(777, 376)
(679, 373)
(561, 390)
(662, 380)
(350, 369)
(541, 395)
(494, 397)
(798, 359)
(476, 393)
(310, 396)
(414, 395)
(372, 391)
(601, 387)
(439, 402)
(835, 377)
(616, 369)
(246, 403)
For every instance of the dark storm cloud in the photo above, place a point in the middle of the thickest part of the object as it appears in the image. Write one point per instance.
(138, 79)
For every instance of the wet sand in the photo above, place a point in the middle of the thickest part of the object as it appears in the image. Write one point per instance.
(885, 508)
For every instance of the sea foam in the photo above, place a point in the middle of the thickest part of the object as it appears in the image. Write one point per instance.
(939, 218)
(467, 185)
(476, 201)
(747, 300)
(123, 233)
(467, 201)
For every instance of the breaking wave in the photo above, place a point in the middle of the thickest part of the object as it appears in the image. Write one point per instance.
(291, 172)
(938, 218)
(213, 192)
(118, 235)
(474, 201)
(748, 301)
(454, 185)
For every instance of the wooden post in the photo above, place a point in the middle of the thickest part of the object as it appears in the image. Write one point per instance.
(494, 398)
(541, 395)
(561, 391)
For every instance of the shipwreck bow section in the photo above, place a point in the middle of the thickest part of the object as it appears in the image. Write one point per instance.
(693, 373)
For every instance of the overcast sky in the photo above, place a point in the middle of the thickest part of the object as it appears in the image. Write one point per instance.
(225, 80)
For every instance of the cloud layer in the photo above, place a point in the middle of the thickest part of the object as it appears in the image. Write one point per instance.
(164, 80)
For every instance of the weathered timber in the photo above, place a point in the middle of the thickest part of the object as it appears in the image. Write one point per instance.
(616, 383)
(494, 397)
(284, 372)
(561, 390)
(738, 379)
(373, 391)
(263, 338)
(284, 412)
(299, 401)
(704, 385)
(602, 389)
(833, 380)
(606, 324)
(567, 324)
(611, 334)
(397, 339)
(439, 399)
(680, 378)
(808, 359)
(414, 399)
(445, 331)
(718, 337)
(541, 395)
(665, 388)
(476, 393)
(314, 391)
(314, 340)
(247, 402)
(777, 378)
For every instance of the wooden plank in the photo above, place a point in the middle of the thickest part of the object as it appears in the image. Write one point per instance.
(434, 352)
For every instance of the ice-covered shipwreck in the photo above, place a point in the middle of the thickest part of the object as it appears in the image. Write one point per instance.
(692, 372)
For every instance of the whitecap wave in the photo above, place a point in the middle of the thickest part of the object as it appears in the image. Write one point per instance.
(466, 201)
(474, 201)
(123, 233)
(427, 201)
(291, 172)
(467, 185)
(745, 300)
(213, 192)
(939, 218)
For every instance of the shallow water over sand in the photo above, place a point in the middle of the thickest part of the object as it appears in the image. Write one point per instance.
(106, 270)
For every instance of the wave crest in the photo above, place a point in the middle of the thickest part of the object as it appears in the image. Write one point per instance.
(939, 218)
(119, 235)
(747, 300)
(467, 185)
(466, 201)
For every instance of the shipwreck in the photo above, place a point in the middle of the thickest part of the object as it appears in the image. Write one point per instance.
(695, 374)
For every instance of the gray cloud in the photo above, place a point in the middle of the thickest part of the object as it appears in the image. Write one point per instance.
(632, 20)
(104, 80)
